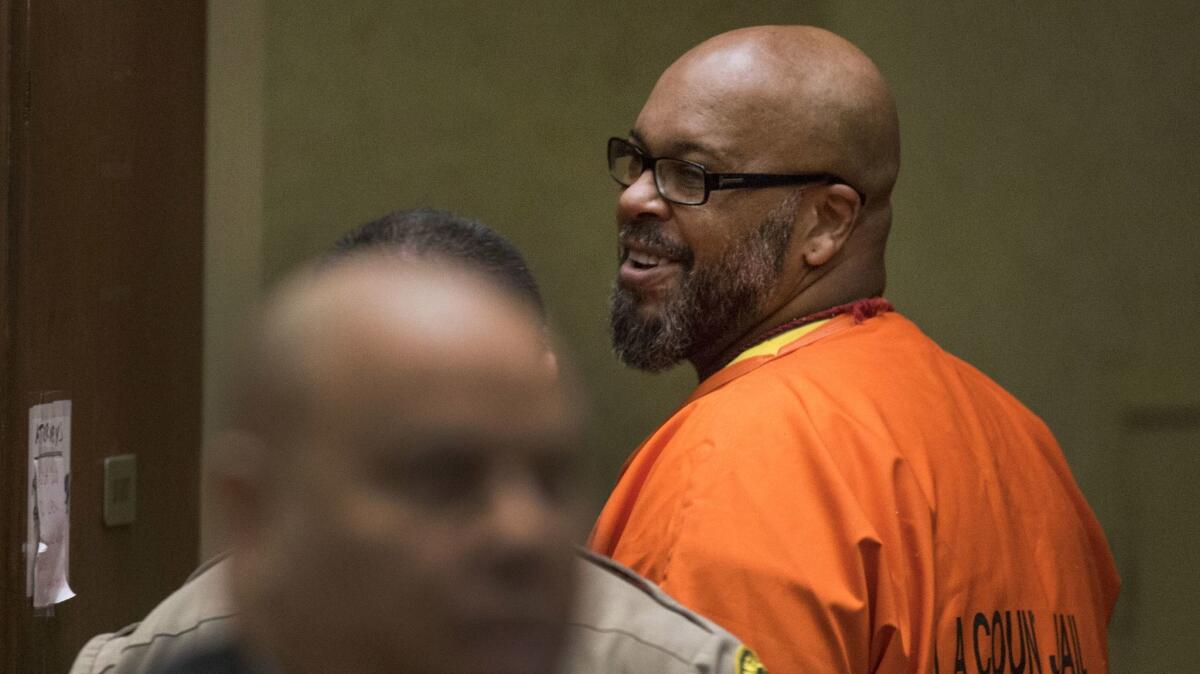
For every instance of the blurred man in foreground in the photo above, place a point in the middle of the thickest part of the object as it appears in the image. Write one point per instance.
(620, 622)
(399, 482)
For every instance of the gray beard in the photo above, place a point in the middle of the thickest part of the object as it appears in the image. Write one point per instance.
(710, 304)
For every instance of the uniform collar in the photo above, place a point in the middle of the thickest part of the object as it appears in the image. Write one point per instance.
(809, 330)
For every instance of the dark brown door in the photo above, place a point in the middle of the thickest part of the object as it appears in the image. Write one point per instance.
(100, 297)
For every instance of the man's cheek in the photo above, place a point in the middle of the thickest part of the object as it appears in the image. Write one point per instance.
(371, 515)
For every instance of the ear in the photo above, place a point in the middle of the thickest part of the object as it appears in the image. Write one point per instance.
(240, 473)
(837, 213)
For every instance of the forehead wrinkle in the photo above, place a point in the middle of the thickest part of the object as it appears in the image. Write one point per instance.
(733, 120)
(677, 147)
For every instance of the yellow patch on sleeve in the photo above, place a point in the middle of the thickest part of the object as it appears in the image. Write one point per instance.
(746, 662)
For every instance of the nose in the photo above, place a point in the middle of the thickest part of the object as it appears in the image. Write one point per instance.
(524, 530)
(642, 200)
(520, 515)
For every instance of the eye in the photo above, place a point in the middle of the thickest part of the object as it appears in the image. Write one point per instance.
(625, 164)
(554, 475)
(681, 177)
(441, 479)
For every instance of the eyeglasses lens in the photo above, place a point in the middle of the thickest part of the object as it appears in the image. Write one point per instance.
(680, 181)
(624, 162)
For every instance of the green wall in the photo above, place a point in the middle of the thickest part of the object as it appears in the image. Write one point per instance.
(1045, 231)
(494, 113)
(1044, 217)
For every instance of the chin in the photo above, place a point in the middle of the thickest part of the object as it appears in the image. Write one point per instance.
(648, 310)
(645, 304)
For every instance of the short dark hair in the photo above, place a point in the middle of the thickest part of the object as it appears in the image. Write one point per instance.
(426, 231)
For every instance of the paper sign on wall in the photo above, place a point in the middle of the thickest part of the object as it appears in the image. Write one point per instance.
(49, 540)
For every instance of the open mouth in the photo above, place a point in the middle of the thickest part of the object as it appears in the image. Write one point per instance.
(647, 270)
(643, 260)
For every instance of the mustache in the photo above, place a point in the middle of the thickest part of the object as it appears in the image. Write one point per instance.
(648, 234)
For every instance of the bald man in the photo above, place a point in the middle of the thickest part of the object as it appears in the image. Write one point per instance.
(838, 491)
(398, 477)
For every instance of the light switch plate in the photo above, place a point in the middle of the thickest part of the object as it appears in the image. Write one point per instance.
(120, 490)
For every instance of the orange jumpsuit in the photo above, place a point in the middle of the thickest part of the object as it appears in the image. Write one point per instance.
(848, 497)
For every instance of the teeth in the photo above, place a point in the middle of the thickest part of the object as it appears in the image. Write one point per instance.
(644, 259)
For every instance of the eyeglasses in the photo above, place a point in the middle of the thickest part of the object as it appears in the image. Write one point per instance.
(686, 182)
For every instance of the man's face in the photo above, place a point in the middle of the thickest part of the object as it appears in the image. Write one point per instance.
(692, 276)
(661, 311)
(427, 522)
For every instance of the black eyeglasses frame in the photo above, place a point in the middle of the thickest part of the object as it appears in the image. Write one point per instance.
(722, 181)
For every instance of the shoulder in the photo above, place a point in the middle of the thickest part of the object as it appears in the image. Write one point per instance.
(814, 370)
(850, 352)
(198, 611)
(849, 372)
(623, 622)
(222, 658)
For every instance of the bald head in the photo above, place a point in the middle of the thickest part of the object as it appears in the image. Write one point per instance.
(414, 319)
(404, 474)
(813, 99)
(702, 281)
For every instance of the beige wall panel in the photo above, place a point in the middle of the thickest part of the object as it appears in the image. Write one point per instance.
(233, 203)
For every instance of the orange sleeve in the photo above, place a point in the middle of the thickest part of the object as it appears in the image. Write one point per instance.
(817, 557)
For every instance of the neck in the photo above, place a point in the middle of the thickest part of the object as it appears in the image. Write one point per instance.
(795, 313)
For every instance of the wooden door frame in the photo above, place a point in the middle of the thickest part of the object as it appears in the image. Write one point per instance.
(13, 45)
(145, 268)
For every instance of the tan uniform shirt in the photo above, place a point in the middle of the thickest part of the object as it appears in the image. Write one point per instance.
(196, 615)
(623, 623)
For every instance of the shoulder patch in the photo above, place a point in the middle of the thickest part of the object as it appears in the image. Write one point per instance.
(746, 662)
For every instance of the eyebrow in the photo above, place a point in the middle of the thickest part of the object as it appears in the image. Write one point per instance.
(680, 147)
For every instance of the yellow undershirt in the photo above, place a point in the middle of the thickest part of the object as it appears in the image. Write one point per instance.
(772, 346)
